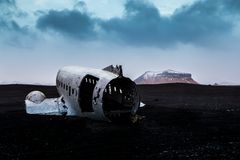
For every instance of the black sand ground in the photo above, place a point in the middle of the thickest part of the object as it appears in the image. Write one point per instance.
(182, 122)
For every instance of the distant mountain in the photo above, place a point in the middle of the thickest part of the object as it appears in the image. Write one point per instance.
(168, 76)
(226, 84)
(25, 83)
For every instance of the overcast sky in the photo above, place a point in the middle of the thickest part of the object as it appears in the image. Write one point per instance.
(196, 36)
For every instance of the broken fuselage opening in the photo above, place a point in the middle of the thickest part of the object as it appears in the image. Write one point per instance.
(120, 98)
(86, 89)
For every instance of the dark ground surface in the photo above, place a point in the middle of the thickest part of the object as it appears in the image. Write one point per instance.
(182, 122)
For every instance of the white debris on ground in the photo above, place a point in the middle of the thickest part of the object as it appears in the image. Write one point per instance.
(142, 104)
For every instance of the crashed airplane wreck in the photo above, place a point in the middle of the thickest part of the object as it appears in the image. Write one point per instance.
(92, 93)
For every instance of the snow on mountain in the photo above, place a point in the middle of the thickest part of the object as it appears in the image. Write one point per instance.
(168, 76)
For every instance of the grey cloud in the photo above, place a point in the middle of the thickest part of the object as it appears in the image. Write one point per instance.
(10, 25)
(72, 23)
(14, 35)
(7, 8)
(203, 22)
(200, 22)
(143, 24)
(231, 5)
(11, 32)
(6, 14)
(7, 2)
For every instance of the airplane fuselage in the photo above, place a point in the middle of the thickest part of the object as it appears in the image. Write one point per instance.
(94, 93)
